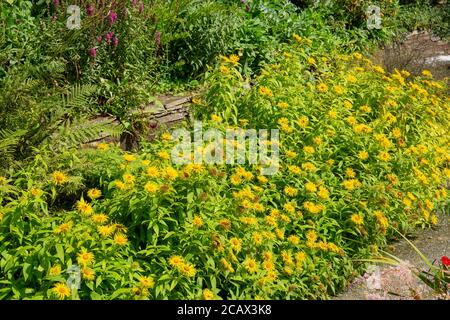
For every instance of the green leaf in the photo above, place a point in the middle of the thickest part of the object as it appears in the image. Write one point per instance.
(60, 252)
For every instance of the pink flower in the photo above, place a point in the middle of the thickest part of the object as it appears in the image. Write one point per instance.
(134, 2)
(112, 17)
(141, 7)
(93, 52)
(90, 10)
(99, 39)
(56, 3)
(109, 36)
(115, 42)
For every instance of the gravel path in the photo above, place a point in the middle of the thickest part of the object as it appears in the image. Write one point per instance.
(433, 243)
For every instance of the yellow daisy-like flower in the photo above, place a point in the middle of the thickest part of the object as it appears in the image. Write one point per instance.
(85, 258)
(120, 185)
(129, 157)
(106, 231)
(170, 173)
(62, 228)
(297, 38)
(357, 219)
(224, 70)
(94, 193)
(289, 207)
(250, 265)
(310, 187)
(164, 155)
(332, 114)
(99, 218)
(84, 208)
(363, 155)
(265, 92)
(427, 73)
(151, 187)
(87, 273)
(129, 178)
(351, 79)
(295, 169)
(308, 150)
(120, 239)
(294, 239)
(434, 219)
(208, 294)
(188, 270)
(146, 282)
(282, 105)
(227, 265)
(153, 172)
(102, 146)
(197, 221)
(290, 191)
(35, 192)
(176, 261)
(216, 118)
(55, 270)
(257, 238)
(59, 178)
(322, 87)
(61, 290)
(235, 244)
(323, 193)
(384, 156)
(308, 166)
(262, 179)
(338, 89)
(303, 121)
(234, 59)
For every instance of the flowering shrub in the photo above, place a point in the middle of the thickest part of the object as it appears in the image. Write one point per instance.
(362, 153)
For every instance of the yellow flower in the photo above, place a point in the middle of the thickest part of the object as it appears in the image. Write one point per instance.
(120, 185)
(59, 177)
(227, 265)
(35, 192)
(250, 265)
(176, 261)
(85, 258)
(262, 179)
(351, 120)
(164, 155)
(351, 79)
(294, 239)
(332, 114)
(308, 150)
(311, 60)
(289, 207)
(323, 193)
(103, 146)
(308, 166)
(351, 184)
(84, 207)
(197, 221)
(63, 228)
(322, 87)
(265, 92)
(235, 244)
(427, 73)
(357, 219)
(216, 118)
(170, 173)
(384, 156)
(348, 105)
(297, 38)
(129, 178)
(349, 172)
(338, 89)
(310, 187)
(106, 231)
(146, 282)
(129, 157)
(61, 290)
(290, 191)
(303, 122)
(94, 193)
(283, 105)
(151, 187)
(208, 294)
(379, 69)
(257, 238)
(99, 218)
(87, 273)
(224, 70)
(365, 108)
(363, 155)
(166, 136)
(152, 172)
(234, 59)
(55, 270)
(120, 239)
(291, 154)
(295, 169)
(434, 219)
(188, 270)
